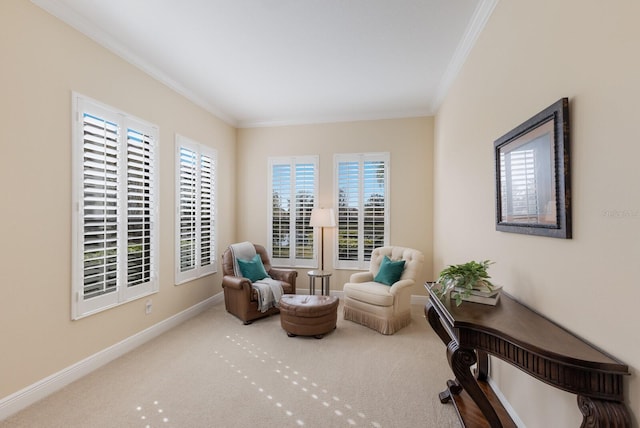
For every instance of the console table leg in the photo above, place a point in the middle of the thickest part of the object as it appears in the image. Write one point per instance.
(603, 414)
(453, 388)
(482, 368)
(461, 361)
(445, 396)
(434, 321)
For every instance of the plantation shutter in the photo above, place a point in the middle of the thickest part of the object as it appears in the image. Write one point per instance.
(114, 232)
(99, 209)
(305, 190)
(293, 184)
(281, 211)
(187, 209)
(195, 219)
(374, 178)
(520, 199)
(362, 200)
(207, 186)
(140, 203)
(348, 210)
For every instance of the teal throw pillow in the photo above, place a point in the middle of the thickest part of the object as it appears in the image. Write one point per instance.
(390, 272)
(252, 269)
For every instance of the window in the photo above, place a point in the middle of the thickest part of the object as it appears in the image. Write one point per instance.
(526, 183)
(195, 217)
(522, 198)
(293, 185)
(362, 183)
(115, 242)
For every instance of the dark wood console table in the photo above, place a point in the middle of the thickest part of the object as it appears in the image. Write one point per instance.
(527, 340)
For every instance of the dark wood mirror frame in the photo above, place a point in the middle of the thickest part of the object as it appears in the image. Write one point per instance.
(532, 169)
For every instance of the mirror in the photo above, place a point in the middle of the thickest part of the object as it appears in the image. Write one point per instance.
(532, 175)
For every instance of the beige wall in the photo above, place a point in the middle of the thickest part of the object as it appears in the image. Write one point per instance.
(410, 143)
(43, 60)
(530, 55)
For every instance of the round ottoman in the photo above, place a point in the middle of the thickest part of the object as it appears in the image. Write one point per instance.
(302, 315)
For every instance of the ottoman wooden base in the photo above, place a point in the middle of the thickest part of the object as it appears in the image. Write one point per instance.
(302, 315)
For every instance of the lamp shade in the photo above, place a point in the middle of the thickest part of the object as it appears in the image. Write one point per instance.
(322, 217)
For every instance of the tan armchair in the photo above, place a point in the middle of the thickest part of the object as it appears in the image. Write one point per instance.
(384, 308)
(240, 298)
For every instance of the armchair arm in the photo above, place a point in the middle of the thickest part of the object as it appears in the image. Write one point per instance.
(286, 275)
(236, 282)
(398, 286)
(361, 277)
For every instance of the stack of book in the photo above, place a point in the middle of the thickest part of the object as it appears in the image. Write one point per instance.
(484, 295)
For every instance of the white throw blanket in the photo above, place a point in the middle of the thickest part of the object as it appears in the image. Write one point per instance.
(243, 250)
(269, 290)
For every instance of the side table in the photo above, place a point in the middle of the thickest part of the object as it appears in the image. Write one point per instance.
(324, 276)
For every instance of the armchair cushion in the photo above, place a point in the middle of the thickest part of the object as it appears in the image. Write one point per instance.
(372, 293)
(390, 271)
(252, 269)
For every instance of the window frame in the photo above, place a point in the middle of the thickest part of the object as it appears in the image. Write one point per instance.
(362, 261)
(198, 271)
(292, 261)
(126, 226)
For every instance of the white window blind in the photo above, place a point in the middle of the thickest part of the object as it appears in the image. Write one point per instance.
(305, 178)
(115, 233)
(527, 179)
(293, 184)
(280, 212)
(187, 186)
(362, 183)
(99, 206)
(195, 219)
(139, 207)
(520, 199)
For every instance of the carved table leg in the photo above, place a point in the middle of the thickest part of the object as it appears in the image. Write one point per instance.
(434, 321)
(482, 369)
(453, 388)
(603, 414)
(461, 361)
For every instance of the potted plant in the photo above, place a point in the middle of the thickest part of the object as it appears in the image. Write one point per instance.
(462, 279)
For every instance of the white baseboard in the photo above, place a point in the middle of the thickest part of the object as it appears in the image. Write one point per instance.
(506, 404)
(419, 300)
(37, 391)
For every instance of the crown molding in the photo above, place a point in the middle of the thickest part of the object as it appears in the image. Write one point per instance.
(315, 120)
(97, 34)
(477, 23)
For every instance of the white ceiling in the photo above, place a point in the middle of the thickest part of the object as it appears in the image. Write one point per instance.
(279, 62)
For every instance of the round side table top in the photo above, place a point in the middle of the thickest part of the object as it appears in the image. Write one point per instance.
(319, 273)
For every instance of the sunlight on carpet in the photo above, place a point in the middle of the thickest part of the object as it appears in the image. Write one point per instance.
(298, 381)
(213, 371)
(157, 415)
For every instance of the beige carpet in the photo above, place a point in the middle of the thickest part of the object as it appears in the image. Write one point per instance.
(212, 371)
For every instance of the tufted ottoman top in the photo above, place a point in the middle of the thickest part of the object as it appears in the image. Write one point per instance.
(304, 306)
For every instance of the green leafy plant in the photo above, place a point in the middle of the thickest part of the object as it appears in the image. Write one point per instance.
(462, 279)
